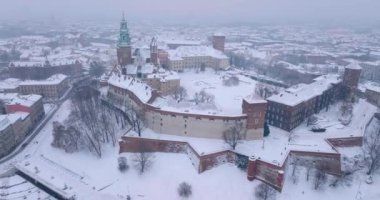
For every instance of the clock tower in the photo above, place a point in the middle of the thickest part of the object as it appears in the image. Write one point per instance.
(124, 50)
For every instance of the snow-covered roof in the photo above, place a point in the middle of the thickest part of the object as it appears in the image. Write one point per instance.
(53, 80)
(8, 119)
(183, 42)
(147, 68)
(195, 51)
(354, 65)
(164, 75)
(373, 87)
(303, 92)
(4, 122)
(56, 62)
(10, 83)
(139, 88)
(131, 69)
(14, 98)
(253, 98)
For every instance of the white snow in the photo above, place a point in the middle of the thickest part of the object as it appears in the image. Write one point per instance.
(302, 92)
(228, 99)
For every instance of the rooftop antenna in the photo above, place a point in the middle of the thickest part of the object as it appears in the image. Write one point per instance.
(123, 16)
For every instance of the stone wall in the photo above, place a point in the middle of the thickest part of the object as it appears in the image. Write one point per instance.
(187, 124)
(257, 169)
(200, 162)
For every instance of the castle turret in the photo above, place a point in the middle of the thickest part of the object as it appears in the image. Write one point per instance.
(352, 75)
(351, 79)
(255, 108)
(218, 41)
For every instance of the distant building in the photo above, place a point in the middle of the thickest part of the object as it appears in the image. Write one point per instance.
(9, 85)
(290, 108)
(22, 113)
(196, 57)
(43, 70)
(166, 82)
(13, 129)
(7, 137)
(54, 87)
(371, 71)
(218, 42)
(31, 104)
(372, 94)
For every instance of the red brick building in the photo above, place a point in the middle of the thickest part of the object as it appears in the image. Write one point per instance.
(290, 108)
(218, 42)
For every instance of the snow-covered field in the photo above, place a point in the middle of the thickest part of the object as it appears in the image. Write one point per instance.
(227, 99)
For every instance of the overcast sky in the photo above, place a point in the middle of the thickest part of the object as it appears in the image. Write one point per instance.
(263, 11)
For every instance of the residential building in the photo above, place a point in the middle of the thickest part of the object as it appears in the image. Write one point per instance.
(53, 88)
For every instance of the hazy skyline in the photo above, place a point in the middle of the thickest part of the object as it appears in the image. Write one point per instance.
(219, 11)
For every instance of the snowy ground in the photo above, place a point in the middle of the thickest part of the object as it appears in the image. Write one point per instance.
(362, 113)
(212, 83)
(85, 173)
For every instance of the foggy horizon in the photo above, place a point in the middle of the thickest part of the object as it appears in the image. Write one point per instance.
(348, 12)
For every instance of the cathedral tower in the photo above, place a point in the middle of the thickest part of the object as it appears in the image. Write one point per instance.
(154, 51)
(124, 50)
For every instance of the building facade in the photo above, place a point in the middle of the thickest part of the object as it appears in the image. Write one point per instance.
(54, 87)
(372, 93)
(44, 70)
(196, 57)
(31, 104)
(290, 108)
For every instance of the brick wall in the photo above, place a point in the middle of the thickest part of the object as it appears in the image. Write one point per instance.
(346, 142)
(200, 162)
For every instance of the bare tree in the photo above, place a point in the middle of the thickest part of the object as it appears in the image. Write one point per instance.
(234, 134)
(260, 90)
(320, 175)
(180, 93)
(89, 125)
(312, 120)
(203, 97)
(122, 163)
(265, 192)
(371, 149)
(294, 174)
(346, 113)
(137, 118)
(292, 136)
(143, 159)
(231, 81)
(184, 190)
(320, 178)
(2, 107)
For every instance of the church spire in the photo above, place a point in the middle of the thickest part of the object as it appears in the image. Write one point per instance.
(124, 38)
